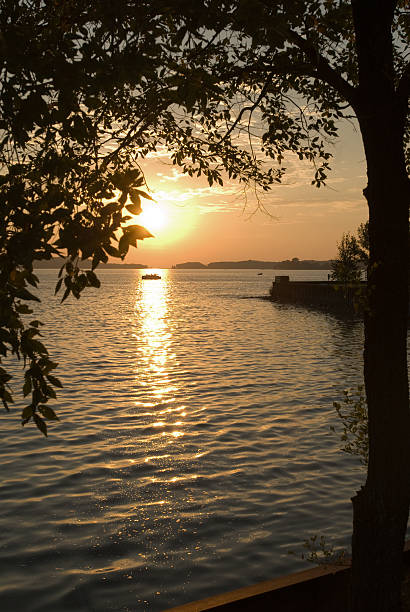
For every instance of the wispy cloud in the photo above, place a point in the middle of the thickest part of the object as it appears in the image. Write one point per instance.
(175, 176)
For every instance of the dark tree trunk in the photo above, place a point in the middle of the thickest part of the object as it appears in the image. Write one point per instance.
(380, 508)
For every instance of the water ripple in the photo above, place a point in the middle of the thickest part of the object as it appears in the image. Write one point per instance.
(194, 449)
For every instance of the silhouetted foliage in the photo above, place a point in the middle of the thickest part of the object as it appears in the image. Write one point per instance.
(352, 255)
(346, 268)
(352, 411)
(234, 88)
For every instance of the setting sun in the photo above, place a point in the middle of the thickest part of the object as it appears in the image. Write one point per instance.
(166, 216)
(154, 216)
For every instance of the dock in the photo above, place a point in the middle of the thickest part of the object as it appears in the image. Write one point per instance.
(324, 295)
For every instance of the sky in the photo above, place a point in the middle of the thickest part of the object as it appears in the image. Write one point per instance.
(194, 222)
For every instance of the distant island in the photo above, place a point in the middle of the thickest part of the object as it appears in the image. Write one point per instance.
(191, 265)
(286, 264)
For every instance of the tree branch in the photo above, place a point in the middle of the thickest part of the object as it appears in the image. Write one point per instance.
(249, 109)
(324, 70)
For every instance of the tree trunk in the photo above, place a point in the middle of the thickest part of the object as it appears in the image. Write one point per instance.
(380, 509)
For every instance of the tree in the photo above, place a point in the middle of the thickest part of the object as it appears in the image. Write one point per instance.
(352, 256)
(346, 267)
(227, 87)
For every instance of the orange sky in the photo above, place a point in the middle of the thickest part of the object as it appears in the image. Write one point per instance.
(196, 222)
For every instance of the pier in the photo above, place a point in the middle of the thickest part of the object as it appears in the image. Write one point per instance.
(325, 295)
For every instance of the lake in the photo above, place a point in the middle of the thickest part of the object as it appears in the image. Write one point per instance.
(194, 449)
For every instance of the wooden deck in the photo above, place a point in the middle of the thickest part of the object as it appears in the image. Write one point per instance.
(320, 589)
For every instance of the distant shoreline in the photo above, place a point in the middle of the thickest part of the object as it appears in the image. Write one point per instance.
(250, 264)
(253, 264)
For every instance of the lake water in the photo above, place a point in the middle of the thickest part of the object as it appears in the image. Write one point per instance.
(194, 448)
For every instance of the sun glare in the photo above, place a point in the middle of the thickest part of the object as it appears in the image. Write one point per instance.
(164, 218)
(154, 217)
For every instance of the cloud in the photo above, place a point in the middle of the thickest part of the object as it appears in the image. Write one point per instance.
(161, 152)
(176, 176)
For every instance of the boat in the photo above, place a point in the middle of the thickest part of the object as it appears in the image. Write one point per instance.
(151, 277)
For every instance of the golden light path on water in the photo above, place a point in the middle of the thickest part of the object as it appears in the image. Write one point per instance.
(159, 394)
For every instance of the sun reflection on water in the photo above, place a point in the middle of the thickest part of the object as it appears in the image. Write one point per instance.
(156, 360)
(154, 334)
(163, 435)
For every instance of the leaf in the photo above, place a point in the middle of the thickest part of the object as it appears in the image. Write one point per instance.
(92, 279)
(66, 294)
(41, 424)
(32, 279)
(48, 413)
(38, 347)
(4, 376)
(110, 208)
(54, 381)
(142, 194)
(23, 309)
(27, 413)
(37, 396)
(5, 404)
(27, 386)
(50, 392)
(31, 332)
(135, 197)
(24, 294)
(111, 250)
(95, 261)
(6, 396)
(47, 365)
(123, 198)
(134, 209)
(123, 245)
(137, 232)
(58, 285)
